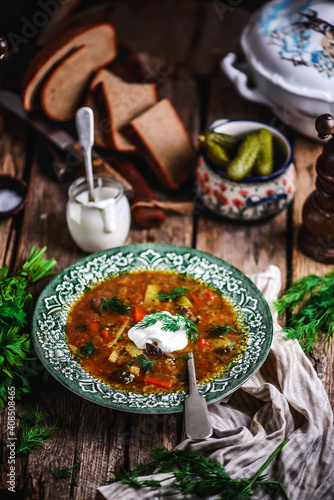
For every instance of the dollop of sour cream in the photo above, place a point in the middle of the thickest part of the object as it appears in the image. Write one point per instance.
(167, 340)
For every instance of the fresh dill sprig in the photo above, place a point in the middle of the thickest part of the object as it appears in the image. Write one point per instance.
(86, 349)
(33, 435)
(195, 474)
(62, 472)
(143, 362)
(173, 294)
(170, 323)
(220, 330)
(315, 317)
(117, 305)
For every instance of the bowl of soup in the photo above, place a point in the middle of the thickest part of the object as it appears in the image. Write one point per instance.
(116, 327)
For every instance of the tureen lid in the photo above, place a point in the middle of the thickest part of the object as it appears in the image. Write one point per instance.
(292, 44)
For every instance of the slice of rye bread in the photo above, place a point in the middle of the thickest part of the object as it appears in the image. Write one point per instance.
(116, 103)
(165, 144)
(99, 41)
(63, 91)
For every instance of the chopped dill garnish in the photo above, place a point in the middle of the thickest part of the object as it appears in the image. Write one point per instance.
(173, 294)
(315, 317)
(194, 474)
(220, 330)
(117, 305)
(143, 362)
(171, 323)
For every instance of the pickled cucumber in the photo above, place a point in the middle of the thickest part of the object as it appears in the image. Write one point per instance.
(224, 140)
(242, 164)
(217, 154)
(264, 164)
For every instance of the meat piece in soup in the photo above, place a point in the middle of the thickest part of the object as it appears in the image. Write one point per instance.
(134, 331)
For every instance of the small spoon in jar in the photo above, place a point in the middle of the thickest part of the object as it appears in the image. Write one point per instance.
(197, 419)
(84, 120)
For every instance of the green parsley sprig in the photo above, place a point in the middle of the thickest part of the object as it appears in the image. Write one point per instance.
(313, 296)
(117, 305)
(173, 294)
(15, 307)
(171, 323)
(194, 474)
(143, 362)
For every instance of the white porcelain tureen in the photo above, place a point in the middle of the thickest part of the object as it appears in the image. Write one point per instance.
(289, 47)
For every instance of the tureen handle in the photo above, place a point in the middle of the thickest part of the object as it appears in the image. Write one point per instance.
(240, 79)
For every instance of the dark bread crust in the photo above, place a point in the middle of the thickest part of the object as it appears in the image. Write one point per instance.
(98, 98)
(53, 52)
(170, 178)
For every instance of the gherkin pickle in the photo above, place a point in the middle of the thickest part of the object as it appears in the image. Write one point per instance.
(242, 164)
(264, 164)
(224, 140)
(217, 154)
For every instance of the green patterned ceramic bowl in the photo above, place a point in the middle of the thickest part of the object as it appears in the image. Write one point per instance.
(55, 302)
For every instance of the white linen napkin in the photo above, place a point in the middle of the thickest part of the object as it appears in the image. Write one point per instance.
(284, 399)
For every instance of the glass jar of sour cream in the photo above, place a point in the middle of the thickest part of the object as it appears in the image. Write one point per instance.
(100, 224)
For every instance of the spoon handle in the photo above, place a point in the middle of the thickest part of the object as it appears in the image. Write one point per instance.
(197, 419)
(84, 119)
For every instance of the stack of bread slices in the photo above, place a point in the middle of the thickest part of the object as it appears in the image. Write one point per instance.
(71, 71)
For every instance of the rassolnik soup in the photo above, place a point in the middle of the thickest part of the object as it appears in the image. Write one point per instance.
(134, 331)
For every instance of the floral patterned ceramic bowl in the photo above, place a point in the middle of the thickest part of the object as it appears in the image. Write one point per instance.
(253, 198)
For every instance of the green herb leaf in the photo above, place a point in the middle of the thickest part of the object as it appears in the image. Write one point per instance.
(117, 305)
(174, 294)
(86, 350)
(33, 435)
(170, 323)
(184, 356)
(16, 366)
(220, 330)
(62, 472)
(194, 474)
(143, 362)
(315, 317)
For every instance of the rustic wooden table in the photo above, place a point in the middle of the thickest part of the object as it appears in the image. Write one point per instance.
(184, 42)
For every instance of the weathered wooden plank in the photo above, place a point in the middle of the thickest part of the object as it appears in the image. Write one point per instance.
(218, 32)
(307, 153)
(160, 28)
(12, 162)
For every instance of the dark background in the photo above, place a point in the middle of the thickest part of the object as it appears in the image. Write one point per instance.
(12, 11)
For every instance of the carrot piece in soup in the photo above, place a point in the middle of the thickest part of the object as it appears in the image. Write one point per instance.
(94, 326)
(166, 384)
(210, 296)
(203, 344)
(105, 334)
(138, 313)
(192, 296)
